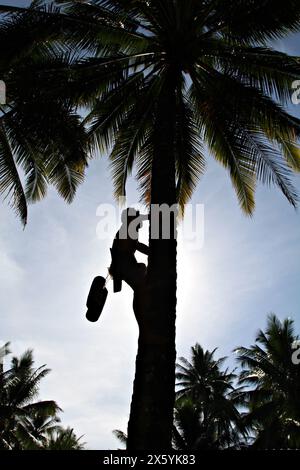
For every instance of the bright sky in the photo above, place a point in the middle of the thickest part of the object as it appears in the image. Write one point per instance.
(246, 269)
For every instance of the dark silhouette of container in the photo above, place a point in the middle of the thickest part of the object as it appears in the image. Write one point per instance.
(96, 299)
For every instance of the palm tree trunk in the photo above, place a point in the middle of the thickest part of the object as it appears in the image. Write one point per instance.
(151, 416)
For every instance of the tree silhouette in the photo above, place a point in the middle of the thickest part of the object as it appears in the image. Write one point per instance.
(24, 422)
(160, 80)
(206, 409)
(274, 381)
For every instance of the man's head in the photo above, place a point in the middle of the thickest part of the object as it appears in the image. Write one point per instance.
(129, 214)
(132, 220)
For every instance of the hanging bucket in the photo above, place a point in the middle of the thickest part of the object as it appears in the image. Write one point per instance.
(96, 299)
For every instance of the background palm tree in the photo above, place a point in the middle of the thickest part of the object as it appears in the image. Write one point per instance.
(161, 80)
(24, 422)
(274, 380)
(206, 409)
(121, 436)
(18, 390)
(33, 431)
(62, 439)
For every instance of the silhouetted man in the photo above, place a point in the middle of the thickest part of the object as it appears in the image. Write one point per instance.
(124, 265)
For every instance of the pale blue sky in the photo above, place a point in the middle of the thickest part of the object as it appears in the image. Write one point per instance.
(246, 269)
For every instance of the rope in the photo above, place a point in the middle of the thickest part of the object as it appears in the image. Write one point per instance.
(107, 279)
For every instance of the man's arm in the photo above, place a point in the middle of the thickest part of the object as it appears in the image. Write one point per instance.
(142, 248)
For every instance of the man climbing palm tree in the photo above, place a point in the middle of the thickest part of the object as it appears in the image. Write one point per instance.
(124, 265)
(161, 80)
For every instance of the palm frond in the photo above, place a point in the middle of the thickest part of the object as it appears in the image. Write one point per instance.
(131, 138)
(10, 181)
(190, 160)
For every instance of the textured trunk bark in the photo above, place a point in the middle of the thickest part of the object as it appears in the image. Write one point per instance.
(151, 416)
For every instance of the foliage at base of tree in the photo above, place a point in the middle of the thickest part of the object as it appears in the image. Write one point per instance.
(25, 422)
(206, 415)
(255, 406)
